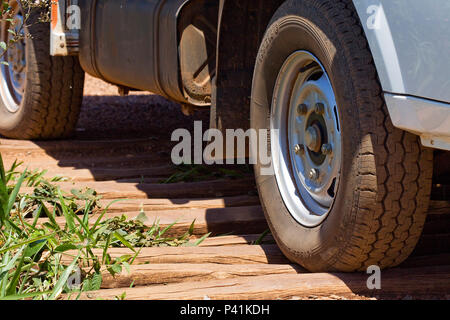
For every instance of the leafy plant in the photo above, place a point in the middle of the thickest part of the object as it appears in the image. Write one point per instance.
(15, 28)
(32, 252)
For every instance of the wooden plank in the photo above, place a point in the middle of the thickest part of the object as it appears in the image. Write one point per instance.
(415, 261)
(9, 145)
(235, 240)
(439, 207)
(437, 224)
(201, 189)
(215, 220)
(239, 254)
(441, 167)
(433, 244)
(131, 205)
(153, 274)
(399, 283)
(440, 192)
(86, 162)
(104, 174)
(167, 204)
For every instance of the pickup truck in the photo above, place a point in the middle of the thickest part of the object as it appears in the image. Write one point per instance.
(354, 96)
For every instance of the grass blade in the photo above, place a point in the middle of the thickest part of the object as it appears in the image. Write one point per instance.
(124, 241)
(24, 296)
(63, 279)
(18, 245)
(104, 212)
(13, 195)
(199, 241)
(261, 237)
(69, 218)
(2, 171)
(13, 283)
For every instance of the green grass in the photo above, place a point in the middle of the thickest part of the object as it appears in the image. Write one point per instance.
(261, 238)
(193, 172)
(31, 253)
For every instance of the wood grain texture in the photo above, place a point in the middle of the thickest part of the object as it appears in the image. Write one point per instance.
(439, 207)
(430, 281)
(202, 189)
(239, 254)
(180, 204)
(9, 145)
(236, 240)
(104, 174)
(215, 220)
(153, 274)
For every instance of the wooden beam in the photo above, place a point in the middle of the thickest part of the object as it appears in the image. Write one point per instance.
(395, 283)
(104, 174)
(153, 274)
(439, 207)
(235, 240)
(239, 254)
(10, 145)
(201, 189)
(215, 220)
(167, 204)
(442, 259)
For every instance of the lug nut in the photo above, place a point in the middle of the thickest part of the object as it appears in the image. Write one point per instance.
(302, 109)
(299, 149)
(313, 174)
(319, 108)
(327, 149)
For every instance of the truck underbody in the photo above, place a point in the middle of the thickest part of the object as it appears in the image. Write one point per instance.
(191, 52)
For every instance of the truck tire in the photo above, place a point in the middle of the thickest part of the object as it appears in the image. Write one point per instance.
(40, 95)
(346, 189)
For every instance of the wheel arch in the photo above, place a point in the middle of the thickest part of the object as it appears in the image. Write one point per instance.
(241, 27)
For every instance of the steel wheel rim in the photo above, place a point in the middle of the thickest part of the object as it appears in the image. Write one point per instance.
(13, 75)
(306, 146)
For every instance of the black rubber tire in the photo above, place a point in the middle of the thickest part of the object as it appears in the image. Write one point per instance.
(383, 195)
(53, 91)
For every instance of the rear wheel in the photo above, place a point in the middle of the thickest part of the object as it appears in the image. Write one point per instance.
(40, 95)
(348, 190)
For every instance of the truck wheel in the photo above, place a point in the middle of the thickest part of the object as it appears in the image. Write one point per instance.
(40, 95)
(347, 189)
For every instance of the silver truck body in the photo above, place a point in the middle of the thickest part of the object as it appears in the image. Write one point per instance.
(410, 43)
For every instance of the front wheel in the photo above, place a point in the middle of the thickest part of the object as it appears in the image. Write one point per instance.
(347, 189)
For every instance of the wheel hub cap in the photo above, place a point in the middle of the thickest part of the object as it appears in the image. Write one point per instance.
(313, 138)
(307, 151)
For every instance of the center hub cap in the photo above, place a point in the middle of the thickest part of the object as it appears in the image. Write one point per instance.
(313, 138)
